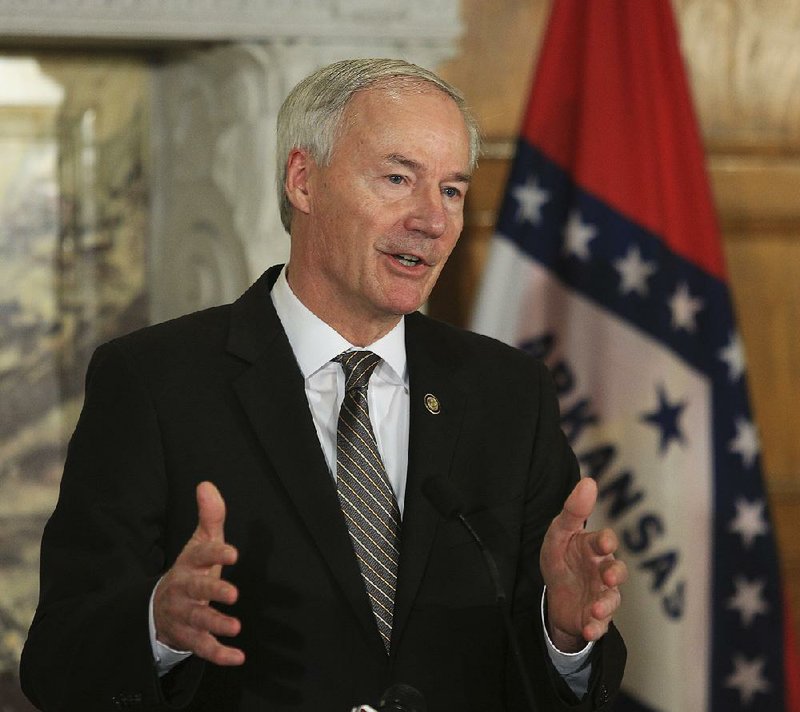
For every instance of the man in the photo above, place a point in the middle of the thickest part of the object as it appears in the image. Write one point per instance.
(331, 575)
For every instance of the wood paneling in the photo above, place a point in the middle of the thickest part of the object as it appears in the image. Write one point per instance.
(765, 276)
(743, 62)
(743, 59)
(494, 68)
(756, 193)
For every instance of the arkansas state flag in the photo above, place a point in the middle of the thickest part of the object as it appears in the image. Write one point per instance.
(607, 264)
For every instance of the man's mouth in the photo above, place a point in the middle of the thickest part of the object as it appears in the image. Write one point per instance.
(407, 260)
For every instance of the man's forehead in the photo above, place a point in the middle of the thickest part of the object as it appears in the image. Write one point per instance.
(382, 93)
(390, 102)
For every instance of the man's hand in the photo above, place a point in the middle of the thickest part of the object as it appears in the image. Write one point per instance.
(184, 619)
(581, 573)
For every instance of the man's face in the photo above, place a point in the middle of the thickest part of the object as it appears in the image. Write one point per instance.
(377, 225)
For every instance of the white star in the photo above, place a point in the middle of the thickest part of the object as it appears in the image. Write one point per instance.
(733, 355)
(746, 442)
(747, 678)
(634, 272)
(577, 236)
(747, 599)
(530, 199)
(749, 522)
(684, 308)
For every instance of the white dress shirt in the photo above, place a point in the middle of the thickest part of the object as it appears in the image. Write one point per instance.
(315, 344)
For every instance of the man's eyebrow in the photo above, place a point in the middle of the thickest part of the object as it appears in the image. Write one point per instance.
(402, 160)
(413, 165)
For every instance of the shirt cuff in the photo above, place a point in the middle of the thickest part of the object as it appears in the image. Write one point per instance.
(165, 657)
(575, 668)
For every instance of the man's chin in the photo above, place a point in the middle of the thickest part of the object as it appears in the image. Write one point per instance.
(401, 307)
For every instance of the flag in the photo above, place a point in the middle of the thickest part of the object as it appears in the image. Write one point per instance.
(607, 263)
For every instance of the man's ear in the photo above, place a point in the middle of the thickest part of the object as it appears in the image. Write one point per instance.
(299, 167)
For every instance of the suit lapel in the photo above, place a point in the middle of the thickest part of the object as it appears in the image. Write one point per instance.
(271, 392)
(432, 443)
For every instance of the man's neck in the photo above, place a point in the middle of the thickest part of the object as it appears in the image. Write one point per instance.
(358, 332)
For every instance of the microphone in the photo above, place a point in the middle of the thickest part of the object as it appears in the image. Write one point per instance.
(398, 698)
(402, 698)
(447, 500)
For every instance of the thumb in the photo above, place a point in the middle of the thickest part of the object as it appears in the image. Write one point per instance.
(210, 512)
(578, 507)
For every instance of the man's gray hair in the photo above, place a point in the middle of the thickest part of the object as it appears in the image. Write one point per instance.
(311, 116)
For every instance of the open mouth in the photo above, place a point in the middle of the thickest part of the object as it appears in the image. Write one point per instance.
(407, 260)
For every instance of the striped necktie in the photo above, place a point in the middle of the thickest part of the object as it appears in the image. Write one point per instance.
(366, 497)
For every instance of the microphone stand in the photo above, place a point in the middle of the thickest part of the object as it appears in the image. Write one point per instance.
(502, 604)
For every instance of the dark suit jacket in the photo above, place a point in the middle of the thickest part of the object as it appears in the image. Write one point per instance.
(218, 395)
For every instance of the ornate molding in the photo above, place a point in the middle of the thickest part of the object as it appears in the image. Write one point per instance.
(425, 20)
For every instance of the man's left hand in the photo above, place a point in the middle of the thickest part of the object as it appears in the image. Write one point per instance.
(580, 572)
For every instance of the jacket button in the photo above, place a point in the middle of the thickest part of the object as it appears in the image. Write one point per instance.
(125, 701)
(602, 694)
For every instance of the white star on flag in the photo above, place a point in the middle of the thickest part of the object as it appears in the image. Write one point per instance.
(530, 199)
(749, 522)
(746, 441)
(747, 678)
(634, 272)
(577, 236)
(684, 308)
(748, 600)
(733, 355)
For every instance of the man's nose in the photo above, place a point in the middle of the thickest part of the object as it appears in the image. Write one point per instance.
(428, 214)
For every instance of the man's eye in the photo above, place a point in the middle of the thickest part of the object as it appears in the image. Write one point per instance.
(451, 192)
(396, 179)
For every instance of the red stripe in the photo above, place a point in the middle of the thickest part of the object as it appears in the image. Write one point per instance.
(594, 112)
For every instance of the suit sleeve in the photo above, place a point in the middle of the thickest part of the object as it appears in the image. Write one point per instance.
(553, 473)
(102, 552)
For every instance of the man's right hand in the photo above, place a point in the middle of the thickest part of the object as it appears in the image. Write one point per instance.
(184, 620)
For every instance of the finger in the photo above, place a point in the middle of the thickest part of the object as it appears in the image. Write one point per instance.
(205, 619)
(210, 511)
(180, 619)
(578, 506)
(595, 630)
(606, 605)
(614, 573)
(603, 542)
(205, 588)
(202, 554)
(209, 648)
(219, 654)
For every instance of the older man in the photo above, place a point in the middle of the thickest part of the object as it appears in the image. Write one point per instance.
(304, 421)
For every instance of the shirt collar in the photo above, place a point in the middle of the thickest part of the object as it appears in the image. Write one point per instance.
(315, 343)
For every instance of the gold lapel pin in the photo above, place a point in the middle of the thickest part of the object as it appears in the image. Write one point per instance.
(432, 404)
